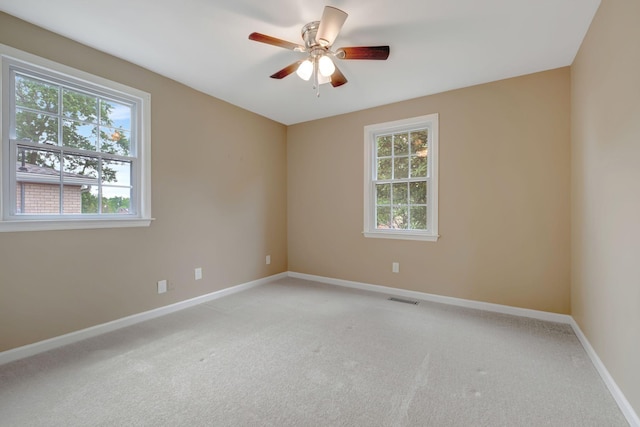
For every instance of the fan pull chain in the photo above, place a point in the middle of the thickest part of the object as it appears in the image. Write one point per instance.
(316, 83)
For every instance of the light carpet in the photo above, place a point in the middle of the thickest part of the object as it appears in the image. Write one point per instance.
(299, 353)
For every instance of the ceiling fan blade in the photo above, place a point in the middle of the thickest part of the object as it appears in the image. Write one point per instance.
(330, 25)
(286, 70)
(364, 52)
(337, 78)
(262, 38)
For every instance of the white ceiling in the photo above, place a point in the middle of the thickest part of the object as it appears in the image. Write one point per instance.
(436, 45)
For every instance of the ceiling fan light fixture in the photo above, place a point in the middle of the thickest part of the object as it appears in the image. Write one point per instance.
(305, 70)
(319, 65)
(326, 66)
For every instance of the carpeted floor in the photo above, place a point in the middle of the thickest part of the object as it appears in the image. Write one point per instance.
(298, 353)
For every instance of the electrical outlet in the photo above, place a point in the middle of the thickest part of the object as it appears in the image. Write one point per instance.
(162, 286)
(395, 267)
(198, 273)
(268, 259)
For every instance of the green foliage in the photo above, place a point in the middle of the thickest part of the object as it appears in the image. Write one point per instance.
(401, 217)
(400, 193)
(419, 141)
(418, 218)
(418, 167)
(383, 215)
(36, 127)
(80, 107)
(36, 94)
(418, 193)
(384, 170)
(419, 153)
(114, 204)
(401, 144)
(383, 144)
(400, 167)
(383, 194)
(89, 202)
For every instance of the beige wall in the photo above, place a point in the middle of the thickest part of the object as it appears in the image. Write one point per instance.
(504, 213)
(219, 196)
(606, 191)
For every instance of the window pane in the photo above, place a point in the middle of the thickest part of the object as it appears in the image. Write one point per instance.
(37, 182)
(78, 135)
(383, 192)
(80, 184)
(114, 141)
(72, 199)
(80, 170)
(384, 145)
(41, 163)
(384, 169)
(78, 106)
(36, 127)
(401, 167)
(89, 195)
(419, 143)
(116, 172)
(36, 94)
(418, 217)
(418, 167)
(418, 193)
(116, 200)
(35, 199)
(115, 115)
(400, 193)
(400, 217)
(401, 144)
(383, 215)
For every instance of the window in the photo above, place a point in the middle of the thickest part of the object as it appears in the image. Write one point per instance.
(401, 179)
(75, 148)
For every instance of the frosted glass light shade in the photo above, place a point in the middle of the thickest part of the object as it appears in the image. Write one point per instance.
(305, 70)
(326, 66)
(322, 79)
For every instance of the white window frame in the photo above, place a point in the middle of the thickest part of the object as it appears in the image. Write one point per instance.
(10, 59)
(370, 132)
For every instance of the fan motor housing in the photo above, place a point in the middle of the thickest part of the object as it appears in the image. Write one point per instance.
(309, 32)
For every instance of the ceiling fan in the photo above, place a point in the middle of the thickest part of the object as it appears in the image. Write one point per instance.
(318, 39)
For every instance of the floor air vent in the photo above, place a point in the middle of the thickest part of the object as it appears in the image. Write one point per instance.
(406, 301)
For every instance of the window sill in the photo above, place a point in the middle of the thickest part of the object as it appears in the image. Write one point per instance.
(399, 235)
(83, 224)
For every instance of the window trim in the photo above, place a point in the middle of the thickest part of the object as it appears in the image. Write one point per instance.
(370, 132)
(141, 179)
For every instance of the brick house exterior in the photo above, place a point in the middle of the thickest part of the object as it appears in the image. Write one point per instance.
(45, 198)
(38, 190)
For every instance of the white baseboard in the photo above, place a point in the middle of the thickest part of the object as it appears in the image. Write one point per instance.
(621, 400)
(478, 305)
(49, 344)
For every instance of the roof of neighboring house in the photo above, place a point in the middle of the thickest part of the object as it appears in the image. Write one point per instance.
(45, 175)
